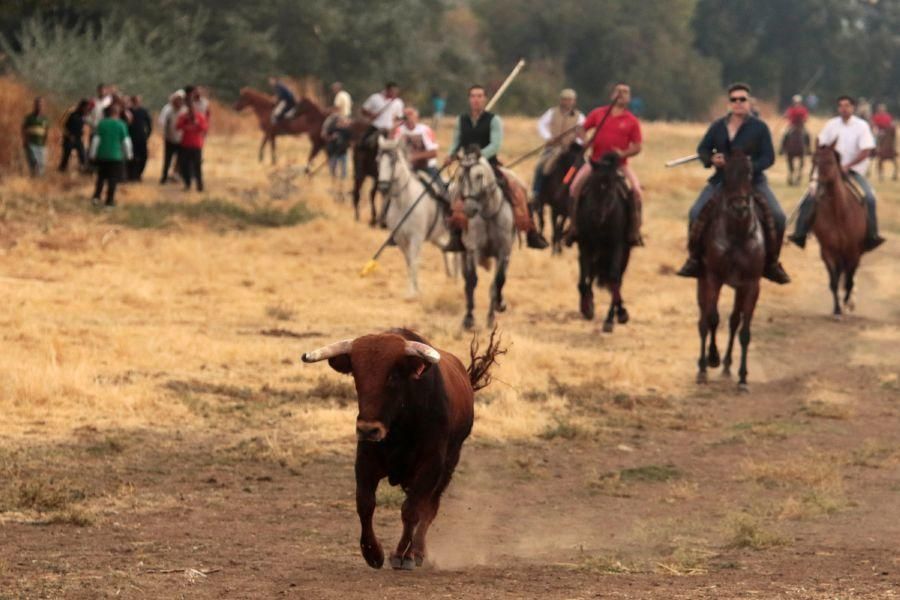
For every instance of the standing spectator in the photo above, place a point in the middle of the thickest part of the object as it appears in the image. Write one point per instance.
(343, 103)
(34, 137)
(110, 147)
(73, 135)
(197, 95)
(168, 121)
(100, 104)
(336, 131)
(438, 107)
(139, 130)
(193, 127)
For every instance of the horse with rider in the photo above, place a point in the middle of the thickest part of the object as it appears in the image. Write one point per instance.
(795, 141)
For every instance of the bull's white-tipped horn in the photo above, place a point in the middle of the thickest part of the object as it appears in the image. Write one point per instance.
(335, 349)
(423, 351)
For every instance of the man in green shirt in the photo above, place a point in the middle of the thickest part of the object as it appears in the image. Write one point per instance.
(110, 148)
(34, 138)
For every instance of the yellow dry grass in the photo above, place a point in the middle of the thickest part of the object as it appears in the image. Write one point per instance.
(99, 317)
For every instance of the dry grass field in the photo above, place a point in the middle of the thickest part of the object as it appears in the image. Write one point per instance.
(160, 439)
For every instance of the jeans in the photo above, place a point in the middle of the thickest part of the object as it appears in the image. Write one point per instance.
(109, 172)
(37, 158)
(191, 166)
(760, 187)
(170, 153)
(68, 146)
(808, 207)
(339, 160)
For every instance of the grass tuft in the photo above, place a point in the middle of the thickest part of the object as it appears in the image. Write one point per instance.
(160, 214)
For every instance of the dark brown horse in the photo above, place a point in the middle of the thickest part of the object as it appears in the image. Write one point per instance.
(734, 254)
(365, 166)
(796, 146)
(555, 193)
(602, 220)
(886, 150)
(840, 224)
(308, 118)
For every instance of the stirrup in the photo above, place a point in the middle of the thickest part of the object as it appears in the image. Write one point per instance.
(691, 268)
(776, 273)
(797, 239)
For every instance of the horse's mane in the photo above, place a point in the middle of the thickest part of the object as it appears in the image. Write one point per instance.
(257, 95)
(737, 169)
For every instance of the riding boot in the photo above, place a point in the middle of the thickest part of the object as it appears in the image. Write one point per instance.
(773, 270)
(805, 217)
(692, 267)
(873, 240)
(636, 210)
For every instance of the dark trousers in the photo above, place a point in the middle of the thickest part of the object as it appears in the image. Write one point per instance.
(191, 160)
(169, 154)
(68, 146)
(139, 161)
(109, 172)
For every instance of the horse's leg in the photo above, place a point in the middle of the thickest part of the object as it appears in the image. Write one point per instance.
(357, 189)
(272, 143)
(611, 312)
(585, 285)
(747, 308)
(471, 276)
(790, 165)
(880, 169)
(834, 277)
(622, 315)
(848, 285)
(614, 276)
(895, 169)
(376, 218)
(411, 253)
(262, 146)
(733, 322)
(799, 177)
(703, 300)
(497, 304)
(712, 358)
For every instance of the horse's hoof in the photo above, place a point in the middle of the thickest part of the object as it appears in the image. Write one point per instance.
(373, 554)
(701, 377)
(607, 326)
(587, 308)
(402, 563)
(837, 316)
(713, 360)
(850, 305)
(726, 373)
(501, 307)
(468, 323)
(743, 388)
(420, 559)
(622, 315)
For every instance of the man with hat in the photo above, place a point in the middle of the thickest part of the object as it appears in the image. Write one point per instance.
(557, 127)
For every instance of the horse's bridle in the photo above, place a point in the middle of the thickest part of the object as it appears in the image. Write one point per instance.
(389, 182)
(467, 177)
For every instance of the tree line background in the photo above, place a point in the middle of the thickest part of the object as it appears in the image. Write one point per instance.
(675, 53)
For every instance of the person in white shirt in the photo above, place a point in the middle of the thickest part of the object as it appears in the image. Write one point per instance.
(420, 142)
(101, 103)
(343, 103)
(557, 127)
(854, 143)
(384, 108)
(168, 118)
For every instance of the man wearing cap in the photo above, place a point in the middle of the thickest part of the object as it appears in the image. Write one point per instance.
(619, 132)
(796, 115)
(557, 127)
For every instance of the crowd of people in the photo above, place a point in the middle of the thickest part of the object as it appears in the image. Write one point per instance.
(118, 129)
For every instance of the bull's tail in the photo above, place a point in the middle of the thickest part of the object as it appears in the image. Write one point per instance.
(480, 364)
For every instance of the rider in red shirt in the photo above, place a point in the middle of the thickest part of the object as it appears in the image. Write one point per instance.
(797, 115)
(620, 133)
(882, 119)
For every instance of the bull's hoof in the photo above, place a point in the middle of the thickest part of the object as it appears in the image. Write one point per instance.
(402, 563)
(622, 315)
(587, 308)
(701, 377)
(607, 326)
(373, 554)
(468, 323)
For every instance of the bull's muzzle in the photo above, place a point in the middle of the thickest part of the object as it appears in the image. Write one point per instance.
(370, 431)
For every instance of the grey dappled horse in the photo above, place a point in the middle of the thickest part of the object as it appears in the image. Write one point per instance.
(490, 232)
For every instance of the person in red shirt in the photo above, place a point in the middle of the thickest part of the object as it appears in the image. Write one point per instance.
(796, 115)
(882, 119)
(193, 127)
(620, 133)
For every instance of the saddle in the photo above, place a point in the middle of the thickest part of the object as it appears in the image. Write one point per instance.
(763, 215)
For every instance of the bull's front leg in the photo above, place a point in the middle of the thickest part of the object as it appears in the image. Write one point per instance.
(367, 478)
(416, 509)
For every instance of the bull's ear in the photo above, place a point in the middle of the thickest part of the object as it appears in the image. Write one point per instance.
(414, 367)
(341, 363)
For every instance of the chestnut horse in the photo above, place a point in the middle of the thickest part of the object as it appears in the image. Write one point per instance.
(734, 254)
(308, 118)
(886, 150)
(555, 192)
(840, 224)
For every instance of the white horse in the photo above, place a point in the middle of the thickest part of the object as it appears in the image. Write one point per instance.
(490, 232)
(400, 188)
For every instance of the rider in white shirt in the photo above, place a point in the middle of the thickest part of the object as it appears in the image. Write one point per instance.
(420, 142)
(557, 127)
(854, 142)
(384, 108)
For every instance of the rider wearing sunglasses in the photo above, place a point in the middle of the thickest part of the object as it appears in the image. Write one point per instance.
(738, 130)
